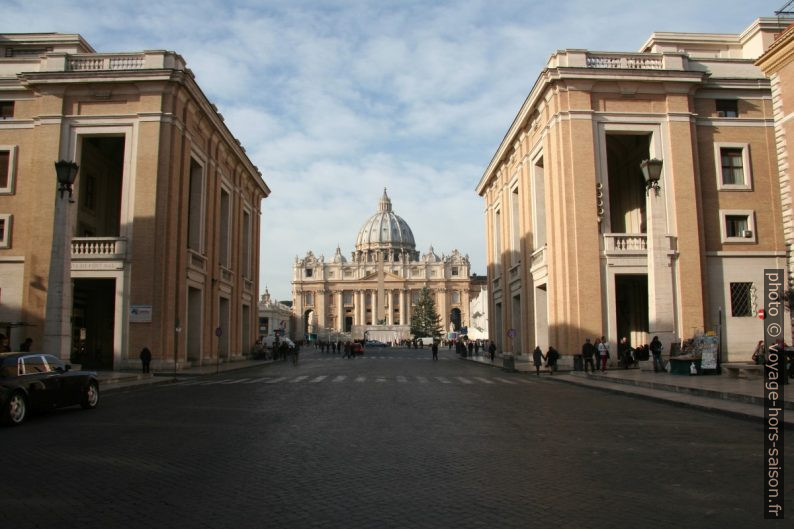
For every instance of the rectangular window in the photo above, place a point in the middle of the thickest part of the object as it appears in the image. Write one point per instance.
(7, 168)
(309, 298)
(454, 270)
(515, 228)
(727, 108)
(225, 235)
(5, 231)
(741, 299)
(308, 272)
(195, 206)
(733, 166)
(347, 298)
(455, 296)
(737, 226)
(246, 245)
(6, 109)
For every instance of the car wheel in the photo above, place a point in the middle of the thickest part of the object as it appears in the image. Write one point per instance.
(16, 409)
(90, 396)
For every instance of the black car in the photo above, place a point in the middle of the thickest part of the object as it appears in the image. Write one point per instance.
(37, 381)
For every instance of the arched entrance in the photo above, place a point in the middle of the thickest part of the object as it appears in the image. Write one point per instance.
(310, 325)
(454, 317)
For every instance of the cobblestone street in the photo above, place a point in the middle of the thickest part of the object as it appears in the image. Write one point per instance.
(392, 439)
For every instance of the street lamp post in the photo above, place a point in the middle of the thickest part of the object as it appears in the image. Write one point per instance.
(57, 337)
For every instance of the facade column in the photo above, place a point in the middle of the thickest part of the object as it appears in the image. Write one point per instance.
(340, 311)
(356, 307)
(402, 306)
(390, 308)
(661, 310)
(374, 301)
(362, 311)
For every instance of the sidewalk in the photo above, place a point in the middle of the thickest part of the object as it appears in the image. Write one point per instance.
(738, 397)
(117, 380)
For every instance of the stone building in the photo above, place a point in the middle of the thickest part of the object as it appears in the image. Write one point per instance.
(274, 317)
(777, 63)
(580, 246)
(375, 290)
(161, 232)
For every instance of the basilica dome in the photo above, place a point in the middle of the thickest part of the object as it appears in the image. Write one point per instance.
(385, 230)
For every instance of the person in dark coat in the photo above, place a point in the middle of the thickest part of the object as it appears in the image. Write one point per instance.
(435, 350)
(551, 359)
(537, 359)
(656, 352)
(146, 359)
(588, 352)
(492, 350)
(25, 346)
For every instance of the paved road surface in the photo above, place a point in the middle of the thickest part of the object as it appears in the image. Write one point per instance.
(391, 440)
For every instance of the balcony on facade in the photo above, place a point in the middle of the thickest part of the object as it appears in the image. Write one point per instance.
(632, 245)
(88, 249)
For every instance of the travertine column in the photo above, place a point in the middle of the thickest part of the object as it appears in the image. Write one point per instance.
(340, 311)
(402, 307)
(390, 308)
(373, 296)
(362, 303)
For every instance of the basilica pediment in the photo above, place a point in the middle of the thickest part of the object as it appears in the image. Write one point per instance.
(387, 276)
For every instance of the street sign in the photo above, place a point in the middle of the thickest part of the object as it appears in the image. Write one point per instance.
(761, 314)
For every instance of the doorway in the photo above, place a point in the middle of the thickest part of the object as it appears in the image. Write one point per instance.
(93, 320)
(631, 299)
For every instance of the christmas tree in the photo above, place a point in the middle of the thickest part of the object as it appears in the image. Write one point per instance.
(425, 321)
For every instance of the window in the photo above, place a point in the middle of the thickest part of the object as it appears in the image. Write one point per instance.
(727, 108)
(225, 235)
(347, 298)
(308, 272)
(5, 231)
(741, 299)
(309, 298)
(737, 226)
(454, 270)
(7, 168)
(6, 109)
(455, 296)
(195, 214)
(733, 162)
(33, 364)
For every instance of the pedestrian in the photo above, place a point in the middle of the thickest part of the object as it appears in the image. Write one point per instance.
(471, 348)
(537, 359)
(603, 353)
(624, 353)
(347, 350)
(552, 355)
(146, 359)
(25, 346)
(4, 347)
(758, 354)
(656, 352)
(435, 350)
(477, 348)
(588, 352)
(492, 350)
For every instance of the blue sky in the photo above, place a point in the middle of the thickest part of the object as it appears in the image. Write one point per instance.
(336, 100)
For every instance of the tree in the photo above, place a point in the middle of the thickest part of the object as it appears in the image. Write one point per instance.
(425, 321)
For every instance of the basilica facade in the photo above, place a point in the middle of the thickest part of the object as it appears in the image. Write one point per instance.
(372, 294)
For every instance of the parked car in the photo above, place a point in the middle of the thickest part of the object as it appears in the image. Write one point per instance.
(375, 343)
(39, 382)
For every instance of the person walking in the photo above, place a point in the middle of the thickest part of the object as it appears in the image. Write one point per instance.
(656, 352)
(603, 353)
(25, 346)
(624, 353)
(552, 355)
(492, 350)
(588, 352)
(435, 350)
(537, 359)
(758, 354)
(146, 358)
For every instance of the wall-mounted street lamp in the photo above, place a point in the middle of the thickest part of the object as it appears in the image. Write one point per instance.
(652, 172)
(66, 172)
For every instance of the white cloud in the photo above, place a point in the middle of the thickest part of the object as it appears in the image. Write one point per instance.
(334, 100)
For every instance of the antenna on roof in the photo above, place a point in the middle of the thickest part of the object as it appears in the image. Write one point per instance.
(785, 9)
